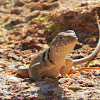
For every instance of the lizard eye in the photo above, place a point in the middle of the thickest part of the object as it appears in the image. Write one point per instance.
(60, 37)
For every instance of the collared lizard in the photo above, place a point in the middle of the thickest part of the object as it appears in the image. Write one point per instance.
(49, 62)
(53, 61)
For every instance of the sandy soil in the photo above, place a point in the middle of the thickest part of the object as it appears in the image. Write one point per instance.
(27, 28)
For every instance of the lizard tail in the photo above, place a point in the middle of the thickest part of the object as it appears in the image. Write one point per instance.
(95, 52)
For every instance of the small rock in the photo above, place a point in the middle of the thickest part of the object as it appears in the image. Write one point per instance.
(75, 88)
(7, 98)
(78, 56)
(97, 64)
(16, 11)
(33, 97)
(91, 40)
(87, 84)
(31, 44)
(84, 4)
(36, 6)
(13, 78)
(62, 80)
(19, 3)
(78, 45)
(96, 73)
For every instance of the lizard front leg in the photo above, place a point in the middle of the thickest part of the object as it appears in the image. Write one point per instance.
(67, 67)
(35, 71)
(62, 71)
(68, 64)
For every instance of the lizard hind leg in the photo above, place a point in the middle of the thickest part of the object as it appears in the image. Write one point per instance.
(68, 64)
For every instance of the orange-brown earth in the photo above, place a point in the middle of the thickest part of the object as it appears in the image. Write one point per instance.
(27, 27)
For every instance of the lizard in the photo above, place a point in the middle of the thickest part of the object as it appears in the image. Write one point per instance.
(49, 62)
(54, 60)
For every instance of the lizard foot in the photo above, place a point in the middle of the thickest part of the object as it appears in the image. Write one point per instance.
(62, 71)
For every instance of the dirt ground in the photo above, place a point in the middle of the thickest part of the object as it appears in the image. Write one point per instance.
(27, 28)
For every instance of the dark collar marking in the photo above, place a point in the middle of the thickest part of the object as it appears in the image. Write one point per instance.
(43, 58)
(49, 56)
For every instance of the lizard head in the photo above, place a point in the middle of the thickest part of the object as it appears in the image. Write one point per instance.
(64, 38)
(62, 45)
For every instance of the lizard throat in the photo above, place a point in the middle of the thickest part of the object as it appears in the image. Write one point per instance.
(59, 53)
